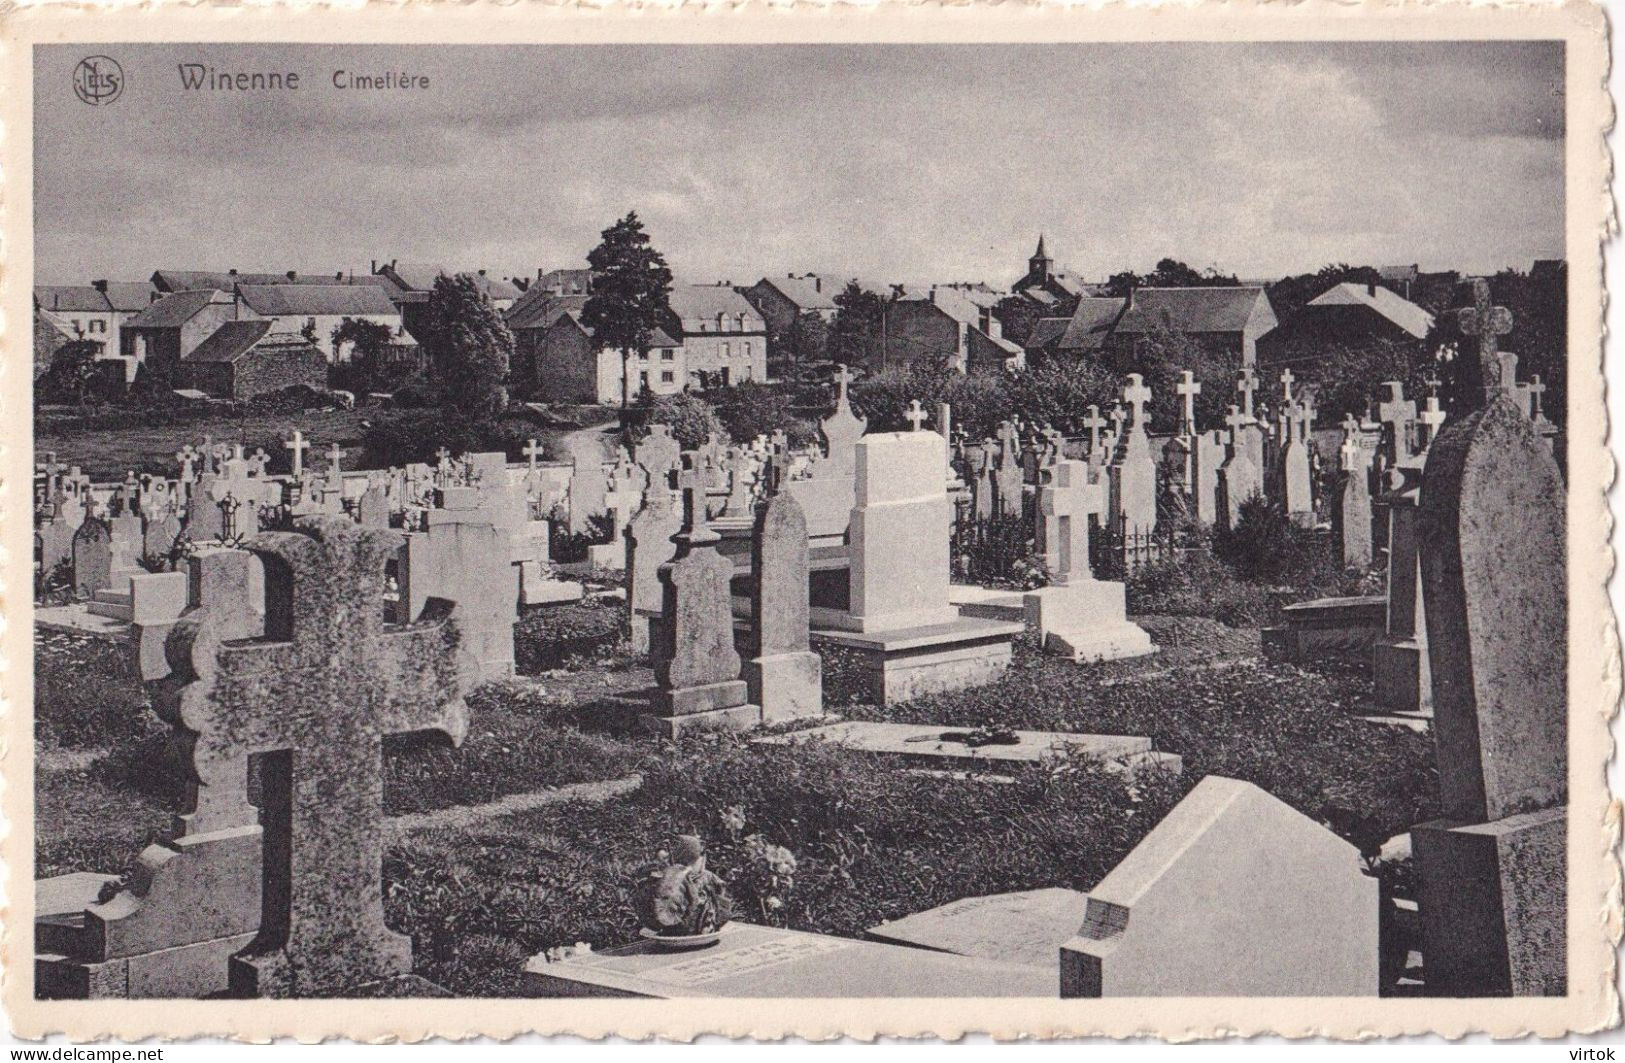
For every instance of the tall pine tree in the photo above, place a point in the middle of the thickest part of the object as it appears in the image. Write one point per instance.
(631, 289)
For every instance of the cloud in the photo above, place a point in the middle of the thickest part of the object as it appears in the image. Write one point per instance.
(911, 162)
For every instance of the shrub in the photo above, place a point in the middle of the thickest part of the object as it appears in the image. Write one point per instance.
(997, 551)
(691, 418)
(1265, 546)
(1199, 585)
(753, 409)
(559, 636)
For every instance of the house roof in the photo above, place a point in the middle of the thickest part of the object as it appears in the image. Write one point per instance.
(420, 277)
(1225, 309)
(316, 300)
(1397, 273)
(658, 338)
(230, 341)
(564, 282)
(1091, 323)
(174, 310)
(130, 295)
(1046, 331)
(809, 292)
(542, 311)
(1401, 311)
(703, 302)
(75, 298)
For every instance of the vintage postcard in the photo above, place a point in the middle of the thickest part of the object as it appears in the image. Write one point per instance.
(806, 521)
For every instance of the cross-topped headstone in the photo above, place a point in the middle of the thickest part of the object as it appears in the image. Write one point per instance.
(315, 698)
(297, 445)
(533, 453)
(843, 377)
(1094, 423)
(1065, 504)
(1487, 322)
(1136, 394)
(916, 415)
(1247, 383)
(1286, 387)
(334, 472)
(691, 482)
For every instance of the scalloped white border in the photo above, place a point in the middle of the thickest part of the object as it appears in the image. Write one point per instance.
(1594, 820)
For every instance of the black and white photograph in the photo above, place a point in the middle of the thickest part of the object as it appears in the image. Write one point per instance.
(1025, 522)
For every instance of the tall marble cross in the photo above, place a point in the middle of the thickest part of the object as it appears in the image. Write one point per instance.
(1136, 394)
(1094, 423)
(316, 697)
(1487, 322)
(297, 444)
(533, 452)
(1188, 389)
(916, 415)
(1286, 387)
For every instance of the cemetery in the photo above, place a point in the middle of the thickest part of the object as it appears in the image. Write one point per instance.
(1261, 717)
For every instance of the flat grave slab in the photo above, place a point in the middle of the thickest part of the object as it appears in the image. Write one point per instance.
(77, 619)
(757, 961)
(936, 744)
(1028, 927)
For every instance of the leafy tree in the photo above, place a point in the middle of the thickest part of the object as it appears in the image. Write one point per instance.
(691, 418)
(807, 338)
(1018, 317)
(631, 291)
(752, 409)
(1161, 357)
(1170, 273)
(855, 338)
(366, 339)
(468, 347)
(72, 375)
(1060, 393)
(979, 398)
(1290, 294)
(368, 366)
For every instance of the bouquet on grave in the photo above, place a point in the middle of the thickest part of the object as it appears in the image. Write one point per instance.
(677, 897)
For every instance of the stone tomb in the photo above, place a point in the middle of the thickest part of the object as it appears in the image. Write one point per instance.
(1236, 894)
(933, 745)
(1327, 627)
(910, 639)
(766, 962)
(1028, 927)
(1492, 521)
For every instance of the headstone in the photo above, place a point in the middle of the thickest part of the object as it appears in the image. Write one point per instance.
(1133, 500)
(158, 539)
(92, 558)
(651, 543)
(825, 491)
(315, 699)
(1239, 476)
(785, 677)
(372, 509)
(1078, 616)
(463, 557)
(1351, 516)
(587, 490)
(1494, 575)
(899, 541)
(1187, 912)
(696, 665)
(1293, 470)
(1008, 475)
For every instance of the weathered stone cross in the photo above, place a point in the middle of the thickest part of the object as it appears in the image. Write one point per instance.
(1094, 422)
(186, 456)
(691, 481)
(297, 444)
(334, 456)
(916, 415)
(533, 451)
(315, 699)
(843, 377)
(1286, 387)
(1066, 502)
(1487, 322)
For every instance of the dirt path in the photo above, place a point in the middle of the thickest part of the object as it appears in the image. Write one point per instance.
(595, 442)
(397, 827)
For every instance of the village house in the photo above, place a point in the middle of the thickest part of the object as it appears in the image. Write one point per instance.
(722, 335)
(944, 325)
(176, 325)
(1072, 339)
(1048, 286)
(1345, 315)
(1226, 321)
(782, 300)
(242, 359)
(556, 358)
(316, 310)
(561, 282)
(169, 281)
(413, 281)
(95, 312)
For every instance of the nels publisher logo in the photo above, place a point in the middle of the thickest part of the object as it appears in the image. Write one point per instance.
(98, 80)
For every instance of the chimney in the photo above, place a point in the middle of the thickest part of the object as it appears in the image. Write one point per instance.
(818, 285)
(540, 272)
(482, 273)
(932, 294)
(1371, 290)
(375, 265)
(100, 286)
(293, 275)
(231, 273)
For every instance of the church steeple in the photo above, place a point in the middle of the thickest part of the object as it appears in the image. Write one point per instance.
(1040, 266)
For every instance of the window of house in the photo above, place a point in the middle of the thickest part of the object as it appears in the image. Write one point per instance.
(98, 325)
(667, 354)
(668, 377)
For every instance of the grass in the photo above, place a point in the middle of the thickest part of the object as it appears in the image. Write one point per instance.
(105, 454)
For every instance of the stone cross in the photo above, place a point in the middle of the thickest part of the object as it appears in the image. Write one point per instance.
(316, 698)
(1247, 383)
(1065, 504)
(1136, 394)
(1235, 420)
(1536, 389)
(533, 451)
(334, 474)
(186, 456)
(691, 482)
(1286, 387)
(1351, 452)
(1094, 423)
(1188, 388)
(297, 444)
(843, 377)
(916, 416)
(1487, 322)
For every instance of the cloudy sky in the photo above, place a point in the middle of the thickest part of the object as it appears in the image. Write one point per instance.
(892, 162)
